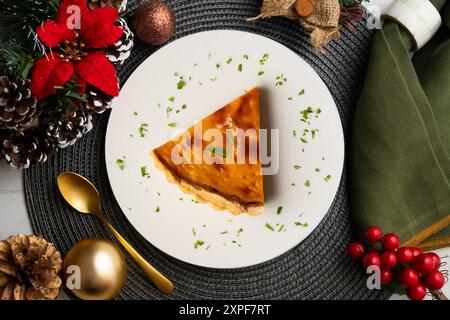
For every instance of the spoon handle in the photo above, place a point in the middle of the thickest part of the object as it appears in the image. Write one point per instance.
(160, 281)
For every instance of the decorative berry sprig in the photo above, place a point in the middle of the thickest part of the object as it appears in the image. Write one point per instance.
(414, 271)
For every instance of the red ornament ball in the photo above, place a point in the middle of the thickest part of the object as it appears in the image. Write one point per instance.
(416, 252)
(436, 259)
(434, 280)
(373, 234)
(417, 292)
(390, 241)
(408, 277)
(154, 22)
(385, 276)
(404, 255)
(388, 260)
(371, 259)
(355, 250)
(423, 263)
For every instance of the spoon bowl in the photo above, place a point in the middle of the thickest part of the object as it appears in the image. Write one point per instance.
(79, 192)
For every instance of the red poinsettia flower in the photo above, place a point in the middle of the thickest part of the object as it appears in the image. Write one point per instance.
(76, 53)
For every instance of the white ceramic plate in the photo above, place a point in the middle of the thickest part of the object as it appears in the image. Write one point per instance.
(217, 67)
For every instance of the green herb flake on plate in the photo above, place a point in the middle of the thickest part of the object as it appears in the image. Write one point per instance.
(268, 226)
(143, 128)
(279, 210)
(198, 243)
(120, 164)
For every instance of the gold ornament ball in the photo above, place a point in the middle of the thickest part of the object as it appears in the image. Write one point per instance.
(102, 269)
(154, 22)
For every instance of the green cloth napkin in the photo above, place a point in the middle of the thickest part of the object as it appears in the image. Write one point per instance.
(400, 148)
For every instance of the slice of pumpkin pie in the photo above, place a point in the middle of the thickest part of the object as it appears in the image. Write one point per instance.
(217, 160)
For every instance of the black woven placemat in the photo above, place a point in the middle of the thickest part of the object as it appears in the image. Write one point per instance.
(316, 269)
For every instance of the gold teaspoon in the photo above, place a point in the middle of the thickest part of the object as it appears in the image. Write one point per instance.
(82, 195)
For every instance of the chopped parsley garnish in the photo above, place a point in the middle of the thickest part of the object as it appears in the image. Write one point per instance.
(245, 56)
(294, 133)
(301, 92)
(120, 163)
(327, 178)
(181, 84)
(260, 73)
(290, 98)
(299, 224)
(268, 226)
(213, 79)
(172, 99)
(293, 184)
(307, 183)
(135, 113)
(280, 80)
(303, 140)
(305, 113)
(193, 232)
(198, 243)
(218, 65)
(240, 67)
(157, 209)
(264, 59)
(281, 228)
(217, 151)
(240, 230)
(297, 167)
(279, 210)
(168, 111)
(229, 60)
(143, 128)
(181, 199)
(317, 169)
(224, 232)
(183, 106)
(172, 124)
(144, 172)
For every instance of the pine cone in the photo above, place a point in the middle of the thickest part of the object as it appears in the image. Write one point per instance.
(97, 101)
(121, 50)
(22, 148)
(66, 132)
(119, 4)
(29, 269)
(18, 105)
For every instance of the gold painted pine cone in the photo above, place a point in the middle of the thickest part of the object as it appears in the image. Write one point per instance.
(29, 269)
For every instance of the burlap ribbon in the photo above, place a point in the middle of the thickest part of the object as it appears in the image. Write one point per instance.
(323, 22)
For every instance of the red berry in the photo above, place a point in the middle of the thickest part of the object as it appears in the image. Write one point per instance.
(388, 259)
(385, 276)
(418, 292)
(404, 255)
(371, 259)
(416, 252)
(355, 250)
(373, 234)
(390, 241)
(436, 259)
(434, 280)
(408, 277)
(423, 263)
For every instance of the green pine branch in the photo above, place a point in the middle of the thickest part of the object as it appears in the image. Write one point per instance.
(19, 18)
(62, 102)
(15, 61)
